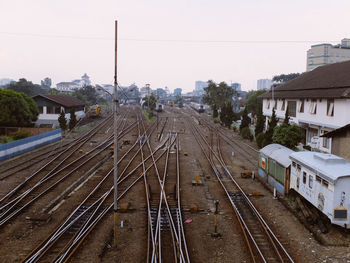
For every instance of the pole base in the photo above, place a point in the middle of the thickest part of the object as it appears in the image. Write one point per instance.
(215, 235)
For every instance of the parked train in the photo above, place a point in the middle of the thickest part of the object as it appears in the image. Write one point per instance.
(322, 179)
(94, 111)
(159, 107)
(197, 107)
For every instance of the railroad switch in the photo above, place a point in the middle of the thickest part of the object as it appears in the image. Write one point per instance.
(216, 214)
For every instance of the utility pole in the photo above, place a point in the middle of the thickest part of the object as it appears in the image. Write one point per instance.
(157, 113)
(115, 208)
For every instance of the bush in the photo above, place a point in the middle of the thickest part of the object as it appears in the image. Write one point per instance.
(260, 139)
(5, 139)
(21, 134)
(245, 132)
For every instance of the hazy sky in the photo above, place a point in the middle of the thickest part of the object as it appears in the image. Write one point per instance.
(164, 43)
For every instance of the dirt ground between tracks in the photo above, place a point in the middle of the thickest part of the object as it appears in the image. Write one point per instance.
(230, 247)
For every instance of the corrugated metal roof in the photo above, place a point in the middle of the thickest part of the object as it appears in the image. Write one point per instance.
(324, 164)
(278, 152)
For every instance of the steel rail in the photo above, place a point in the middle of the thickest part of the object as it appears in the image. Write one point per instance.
(248, 201)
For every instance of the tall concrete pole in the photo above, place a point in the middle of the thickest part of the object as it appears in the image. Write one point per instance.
(115, 208)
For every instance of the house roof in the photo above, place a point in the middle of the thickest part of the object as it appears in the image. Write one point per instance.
(64, 100)
(328, 166)
(336, 131)
(329, 81)
(278, 152)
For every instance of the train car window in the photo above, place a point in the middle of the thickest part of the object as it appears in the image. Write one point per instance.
(304, 177)
(311, 181)
(318, 179)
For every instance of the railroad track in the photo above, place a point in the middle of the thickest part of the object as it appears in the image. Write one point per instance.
(42, 156)
(25, 194)
(263, 244)
(166, 237)
(60, 245)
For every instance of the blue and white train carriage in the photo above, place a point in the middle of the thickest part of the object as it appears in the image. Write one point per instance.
(323, 180)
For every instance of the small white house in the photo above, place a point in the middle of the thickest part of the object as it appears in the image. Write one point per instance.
(317, 101)
(50, 107)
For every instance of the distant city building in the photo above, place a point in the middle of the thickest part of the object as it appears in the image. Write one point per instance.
(199, 87)
(5, 81)
(264, 84)
(323, 54)
(74, 84)
(177, 91)
(236, 87)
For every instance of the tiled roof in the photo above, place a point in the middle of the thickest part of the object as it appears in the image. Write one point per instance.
(64, 100)
(329, 81)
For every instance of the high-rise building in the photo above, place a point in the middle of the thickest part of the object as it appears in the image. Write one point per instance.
(199, 87)
(177, 91)
(323, 54)
(264, 84)
(236, 87)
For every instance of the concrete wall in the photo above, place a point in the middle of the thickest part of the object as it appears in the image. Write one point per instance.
(11, 149)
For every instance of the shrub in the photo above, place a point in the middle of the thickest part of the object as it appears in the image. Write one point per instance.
(260, 139)
(21, 134)
(245, 132)
(5, 139)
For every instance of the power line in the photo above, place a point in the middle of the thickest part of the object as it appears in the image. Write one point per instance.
(255, 41)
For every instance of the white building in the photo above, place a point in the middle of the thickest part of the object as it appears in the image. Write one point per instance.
(323, 54)
(199, 87)
(264, 84)
(317, 101)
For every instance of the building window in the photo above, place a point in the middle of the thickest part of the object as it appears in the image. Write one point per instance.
(304, 177)
(301, 106)
(311, 133)
(275, 104)
(41, 109)
(292, 107)
(330, 107)
(325, 140)
(283, 105)
(268, 104)
(313, 107)
(311, 181)
(318, 179)
(311, 62)
(57, 110)
(49, 110)
(325, 183)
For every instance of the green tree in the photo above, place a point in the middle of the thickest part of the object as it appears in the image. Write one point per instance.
(287, 135)
(89, 95)
(245, 120)
(150, 101)
(27, 87)
(227, 115)
(46, 83)
(285, 77)
(254, 103)
(260, 122)
(72, 120)
(216, 95)
(286, 117)
(17, 109)
(62, 121)
(179, 100)
(270, 130)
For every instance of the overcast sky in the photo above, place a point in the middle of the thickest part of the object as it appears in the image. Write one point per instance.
(164, 43)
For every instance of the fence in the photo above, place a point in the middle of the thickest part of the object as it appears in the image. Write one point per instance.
(11, 149)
